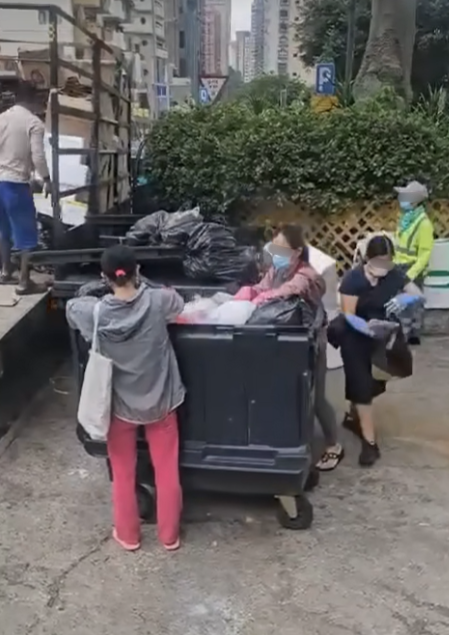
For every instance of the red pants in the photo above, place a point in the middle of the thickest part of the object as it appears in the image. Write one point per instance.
(162, 438)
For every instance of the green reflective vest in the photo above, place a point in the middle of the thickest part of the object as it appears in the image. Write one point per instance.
(414, 246)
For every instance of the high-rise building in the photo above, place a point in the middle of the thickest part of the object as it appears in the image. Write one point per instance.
(190, 41)
(172, 28)
(146, 36)
(233, 55)
(243, 54)
(257, 38)
(274, 44)
(216, 37)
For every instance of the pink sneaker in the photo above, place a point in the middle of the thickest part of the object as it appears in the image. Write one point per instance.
(125, 545)
(173, 547)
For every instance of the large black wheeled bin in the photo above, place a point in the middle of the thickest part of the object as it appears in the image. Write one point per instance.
(247, 423)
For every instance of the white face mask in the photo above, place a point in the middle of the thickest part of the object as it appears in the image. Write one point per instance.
(377, 271)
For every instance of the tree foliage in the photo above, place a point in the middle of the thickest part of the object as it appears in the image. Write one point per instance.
(224, 156)
(322, 34)
(272, 91)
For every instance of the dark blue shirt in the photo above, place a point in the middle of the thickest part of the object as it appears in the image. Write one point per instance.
(372, 300)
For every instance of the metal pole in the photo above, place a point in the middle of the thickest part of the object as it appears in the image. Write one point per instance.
(154, 73)
(94, 194)
(54, 123)
(350, 43)
(195, 17)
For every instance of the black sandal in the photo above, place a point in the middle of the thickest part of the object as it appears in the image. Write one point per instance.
(330, 460)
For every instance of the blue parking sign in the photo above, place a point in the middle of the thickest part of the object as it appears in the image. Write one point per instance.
(325, 79)
(204, 95)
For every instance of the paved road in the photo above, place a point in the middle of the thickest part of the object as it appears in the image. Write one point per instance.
(376, 561)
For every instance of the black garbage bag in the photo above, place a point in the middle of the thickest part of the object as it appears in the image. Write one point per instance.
(147, 230)
(292, 311)
(100, 288)
(179, 226)
(164, 228)
(212, 252)
(393, 361)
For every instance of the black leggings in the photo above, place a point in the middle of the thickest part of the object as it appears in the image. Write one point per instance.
(357, 352)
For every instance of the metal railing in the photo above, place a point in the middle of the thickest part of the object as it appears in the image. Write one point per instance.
(119, 126)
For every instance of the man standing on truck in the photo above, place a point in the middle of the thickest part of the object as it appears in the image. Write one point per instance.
(21, 153)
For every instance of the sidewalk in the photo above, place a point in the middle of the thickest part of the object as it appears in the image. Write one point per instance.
(415, 409)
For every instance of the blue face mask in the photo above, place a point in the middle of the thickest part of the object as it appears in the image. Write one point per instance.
(280, 262)
(406, 207)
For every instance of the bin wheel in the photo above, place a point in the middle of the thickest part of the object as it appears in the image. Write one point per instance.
(300, 506)
(312, 480)
(146, 503)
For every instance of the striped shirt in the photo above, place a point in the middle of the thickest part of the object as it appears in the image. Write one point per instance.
(21, 146)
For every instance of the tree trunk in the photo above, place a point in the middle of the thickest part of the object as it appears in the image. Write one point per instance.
(389, 50)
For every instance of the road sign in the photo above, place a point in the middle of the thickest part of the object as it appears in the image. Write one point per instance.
(204, 96)
(213, 84)
(325, 79)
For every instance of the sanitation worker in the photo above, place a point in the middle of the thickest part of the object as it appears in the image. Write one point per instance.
(21, 153)
(413, 244)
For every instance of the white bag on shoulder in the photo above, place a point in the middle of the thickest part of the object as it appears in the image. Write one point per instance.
(94, 408)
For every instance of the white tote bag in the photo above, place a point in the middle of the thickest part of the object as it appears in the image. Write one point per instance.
(94, 409)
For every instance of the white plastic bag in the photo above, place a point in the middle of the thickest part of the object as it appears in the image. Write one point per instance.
(221, 297)
(94, 408)
(232, 313)
(199, 310)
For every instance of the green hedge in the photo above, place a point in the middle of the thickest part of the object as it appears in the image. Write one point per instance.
(223, 156)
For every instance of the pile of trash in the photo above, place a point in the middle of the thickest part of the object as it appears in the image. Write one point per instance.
(210, 248)
(224, 310)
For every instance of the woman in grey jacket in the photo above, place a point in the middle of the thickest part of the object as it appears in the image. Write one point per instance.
(147, 390)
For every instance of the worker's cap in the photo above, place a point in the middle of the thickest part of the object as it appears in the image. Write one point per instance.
(413, 193)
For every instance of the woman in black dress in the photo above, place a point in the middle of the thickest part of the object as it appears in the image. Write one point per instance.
(364, 291)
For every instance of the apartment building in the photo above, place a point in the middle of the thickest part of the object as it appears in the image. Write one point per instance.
(145, 32)
(233, 55)
(257, 38)
(23, 29)
(191, 13)
(216, 37)
(274, 41)
(243, 54)
(137, 26)
(172, 29)
(27, 29)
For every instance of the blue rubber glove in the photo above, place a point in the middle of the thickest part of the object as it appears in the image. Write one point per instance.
(402, 302)
(359, 324)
